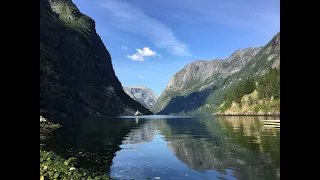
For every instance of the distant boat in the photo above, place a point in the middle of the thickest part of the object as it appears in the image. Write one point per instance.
(137, 113)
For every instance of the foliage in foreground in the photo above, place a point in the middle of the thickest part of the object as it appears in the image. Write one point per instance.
(53, 166)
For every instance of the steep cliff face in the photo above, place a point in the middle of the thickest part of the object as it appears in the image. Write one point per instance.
(193, 75)
(143, 95)
(200, 86)
(76, 73)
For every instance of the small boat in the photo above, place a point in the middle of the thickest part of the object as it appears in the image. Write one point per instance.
(137, 113)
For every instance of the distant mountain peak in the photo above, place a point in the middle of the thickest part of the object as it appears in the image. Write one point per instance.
(138, 86)
(145, 96)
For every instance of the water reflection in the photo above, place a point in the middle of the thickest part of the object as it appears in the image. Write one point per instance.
(141, 134)
(212, 148)
(173, 147)
(254, 151)
(93, 140)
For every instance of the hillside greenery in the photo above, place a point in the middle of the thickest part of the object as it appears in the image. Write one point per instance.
(269, 84)
(267, 87)
(236, 93)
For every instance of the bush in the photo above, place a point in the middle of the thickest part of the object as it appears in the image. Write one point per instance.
(268, 87)
(236, 93)
(55, 167)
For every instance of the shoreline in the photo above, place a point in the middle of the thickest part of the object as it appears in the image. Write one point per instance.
(247, 114)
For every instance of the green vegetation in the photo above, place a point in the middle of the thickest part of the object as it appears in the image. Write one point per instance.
(222, 82)
(235, 94)
(79, 24)
(48, 126)
(53, 166)
(71, 53)
(69, 14)
(269, 85)
(260, 97)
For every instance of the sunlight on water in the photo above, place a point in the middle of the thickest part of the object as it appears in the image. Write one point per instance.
(174, 147)
(198, 148)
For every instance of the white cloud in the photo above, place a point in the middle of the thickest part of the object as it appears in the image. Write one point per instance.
(127, 17)
(136, 57)
(124, 47)
(159, 55)
(140, 77)
(145, 52)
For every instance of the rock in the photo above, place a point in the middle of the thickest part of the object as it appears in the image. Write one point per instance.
(76, 73)
(203, 83)
(143, 95)
(43, 119)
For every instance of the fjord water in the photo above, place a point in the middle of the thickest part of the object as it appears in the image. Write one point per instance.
(174, 147)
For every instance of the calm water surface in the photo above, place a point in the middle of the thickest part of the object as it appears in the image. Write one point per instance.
(174, 147)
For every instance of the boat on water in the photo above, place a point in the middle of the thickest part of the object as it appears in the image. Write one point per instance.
(137, 113)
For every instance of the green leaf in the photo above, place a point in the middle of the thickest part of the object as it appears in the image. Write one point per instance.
(66, 162)
(56, 175)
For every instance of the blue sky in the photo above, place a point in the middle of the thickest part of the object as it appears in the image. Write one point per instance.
(150, 40)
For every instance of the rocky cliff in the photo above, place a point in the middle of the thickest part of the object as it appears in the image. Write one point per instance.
(143, 95)
(76, 73)
(199, 87)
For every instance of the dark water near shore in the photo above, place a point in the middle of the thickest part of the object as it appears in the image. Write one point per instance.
(173, 147)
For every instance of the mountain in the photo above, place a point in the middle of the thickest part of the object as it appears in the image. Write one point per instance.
(200, 86)
(76, 73)
(143, 95)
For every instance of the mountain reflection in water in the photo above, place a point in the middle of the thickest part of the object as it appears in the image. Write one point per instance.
(172, 147)
(229, 147)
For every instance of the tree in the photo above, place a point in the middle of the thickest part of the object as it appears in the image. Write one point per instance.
(269, 84)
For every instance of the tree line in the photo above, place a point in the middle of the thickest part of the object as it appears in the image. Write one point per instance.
(267, 86)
